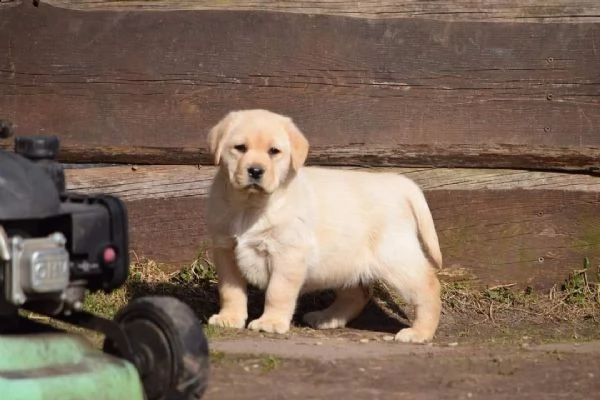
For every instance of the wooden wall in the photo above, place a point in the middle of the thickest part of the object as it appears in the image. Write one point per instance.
(443, 90)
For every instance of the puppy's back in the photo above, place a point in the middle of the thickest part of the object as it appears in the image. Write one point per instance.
(358, 205)
(352, 200)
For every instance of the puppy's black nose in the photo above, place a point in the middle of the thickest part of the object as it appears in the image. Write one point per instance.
(255, 172)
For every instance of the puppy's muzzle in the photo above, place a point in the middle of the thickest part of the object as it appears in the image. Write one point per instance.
(255, 173)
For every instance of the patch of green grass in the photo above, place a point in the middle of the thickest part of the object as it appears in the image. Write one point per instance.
(213, 331)
(577, 288)
(106, 304)
(269, 363)
(217, 357)
(248, 362)
(200, 271)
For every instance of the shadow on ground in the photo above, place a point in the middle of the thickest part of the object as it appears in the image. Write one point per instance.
(204, 300)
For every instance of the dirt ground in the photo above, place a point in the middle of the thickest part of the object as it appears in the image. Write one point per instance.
(493, 343)
(359, 366)
(501, 352)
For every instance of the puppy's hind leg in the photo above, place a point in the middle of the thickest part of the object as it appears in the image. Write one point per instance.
(348, 303)
(428, 306)
(417, 283)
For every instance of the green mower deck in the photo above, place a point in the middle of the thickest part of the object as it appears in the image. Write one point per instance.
(63, 366)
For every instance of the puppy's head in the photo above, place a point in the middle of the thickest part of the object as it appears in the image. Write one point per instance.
(258, 148)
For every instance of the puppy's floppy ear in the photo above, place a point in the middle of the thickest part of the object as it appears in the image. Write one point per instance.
(217, 135)
(299, 144)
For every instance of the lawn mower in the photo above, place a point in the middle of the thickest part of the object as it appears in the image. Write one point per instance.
(56, 247)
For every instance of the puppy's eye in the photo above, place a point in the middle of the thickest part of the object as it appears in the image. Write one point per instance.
(241, 148)
(273, 151)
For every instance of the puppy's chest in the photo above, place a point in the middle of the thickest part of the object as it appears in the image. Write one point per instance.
(253, 259)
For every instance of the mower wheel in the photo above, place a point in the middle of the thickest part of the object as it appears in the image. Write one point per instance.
(169, 344)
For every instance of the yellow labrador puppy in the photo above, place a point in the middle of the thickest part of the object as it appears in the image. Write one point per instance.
(289, 229)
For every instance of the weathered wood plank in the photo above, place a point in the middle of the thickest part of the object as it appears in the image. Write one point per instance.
(170, 231)
(512, 236)
(495, 225)
(562, 10)
(174, 181)
(161, 80)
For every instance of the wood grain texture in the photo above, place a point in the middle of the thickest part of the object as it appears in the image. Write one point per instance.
(562, 10)
(161, 79)
(174, 181)
(167, 230)
(530, 238)
(497, 226)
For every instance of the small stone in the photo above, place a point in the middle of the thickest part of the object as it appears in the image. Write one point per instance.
(590, 375)
(388, 338)
(362, 369)
(318, 343)
(469, 395)
(453, 344)
(364, 340)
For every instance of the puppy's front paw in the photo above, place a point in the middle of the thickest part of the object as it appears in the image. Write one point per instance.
(410, 335)
(322, 320)
(270, 324)
(227, 320)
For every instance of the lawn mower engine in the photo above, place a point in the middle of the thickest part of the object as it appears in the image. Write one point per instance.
(56, 247)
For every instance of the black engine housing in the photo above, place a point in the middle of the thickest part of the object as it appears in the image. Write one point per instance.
(25, 190)
(34, 203)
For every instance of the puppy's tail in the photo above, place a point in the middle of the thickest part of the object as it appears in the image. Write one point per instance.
(425, 226)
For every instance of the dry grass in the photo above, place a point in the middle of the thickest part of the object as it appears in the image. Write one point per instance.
(569, 311)
(196, 283)
(497, 308)
(576, 298)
